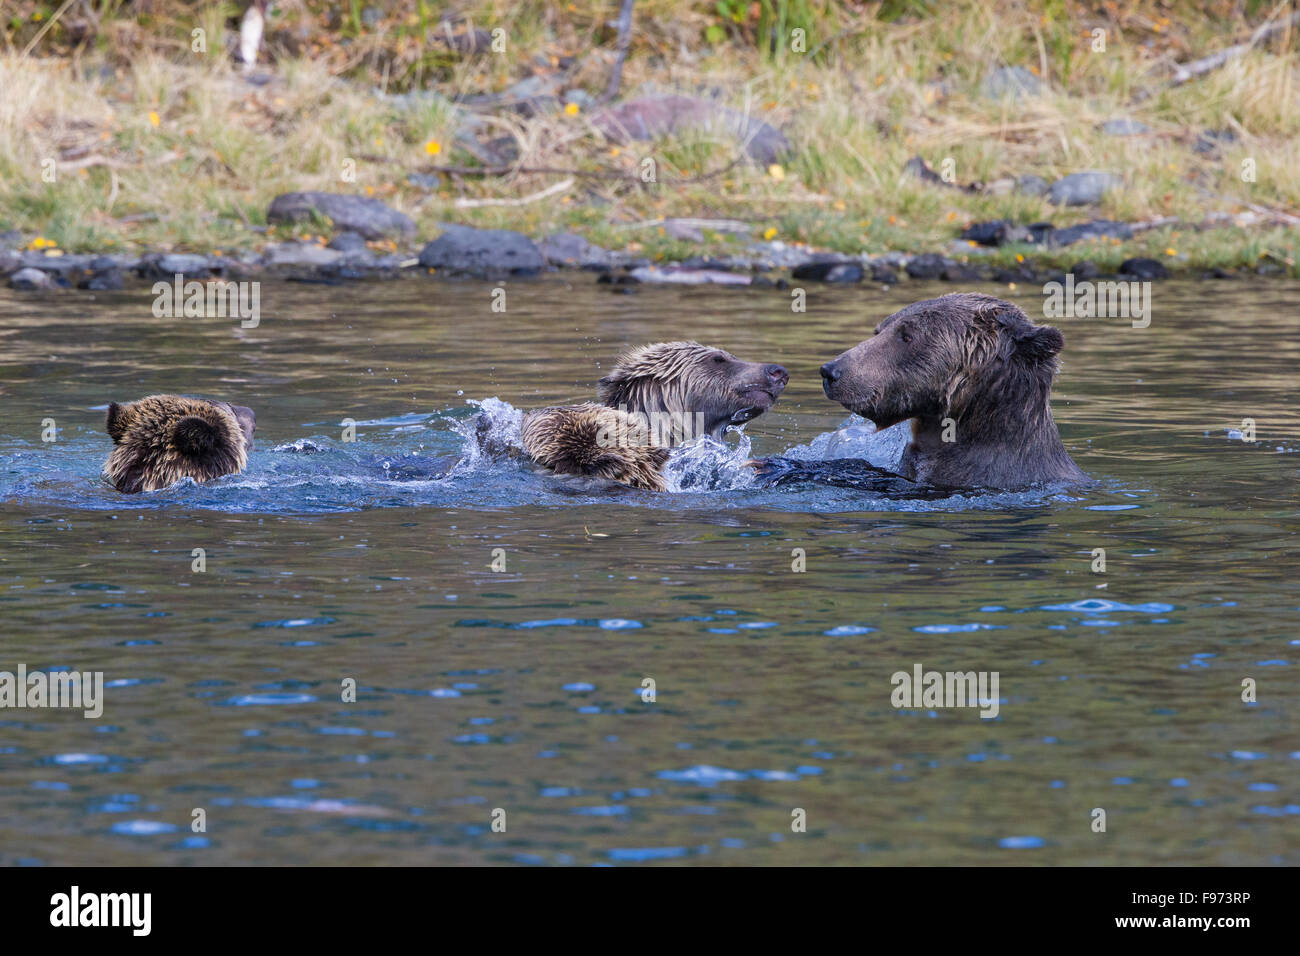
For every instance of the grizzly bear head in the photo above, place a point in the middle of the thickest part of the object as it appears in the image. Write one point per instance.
(963, 356)
(686, 378)
(163, 438)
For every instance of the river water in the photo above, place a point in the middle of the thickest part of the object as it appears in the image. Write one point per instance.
(519, 695)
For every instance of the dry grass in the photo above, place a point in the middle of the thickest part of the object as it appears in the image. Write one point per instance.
(158, 147)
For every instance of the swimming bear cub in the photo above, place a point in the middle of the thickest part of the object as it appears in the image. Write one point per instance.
(163, 438)
(657, 396)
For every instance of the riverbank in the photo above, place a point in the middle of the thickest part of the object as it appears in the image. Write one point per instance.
(884, 141)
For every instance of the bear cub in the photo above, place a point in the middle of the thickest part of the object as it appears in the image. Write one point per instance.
(163, 438)
(657, 396)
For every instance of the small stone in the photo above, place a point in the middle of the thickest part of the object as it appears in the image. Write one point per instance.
(1124, 126)
(429, 181)
(829, 270)
(104, 280)
(348, 242)
(31, 280)
(1081, 189)
(1031, 185)
(1143, 269)
(1012, 82)
(926, 266)
(1094, 229)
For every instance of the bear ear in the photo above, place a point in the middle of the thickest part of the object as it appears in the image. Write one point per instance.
(1040, 344)
(115, 422)
(610, 389)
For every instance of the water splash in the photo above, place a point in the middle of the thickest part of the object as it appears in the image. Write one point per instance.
(707, 464)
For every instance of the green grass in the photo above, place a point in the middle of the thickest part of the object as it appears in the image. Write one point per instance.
(881, 83)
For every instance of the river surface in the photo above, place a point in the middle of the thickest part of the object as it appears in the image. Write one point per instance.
(500, 626)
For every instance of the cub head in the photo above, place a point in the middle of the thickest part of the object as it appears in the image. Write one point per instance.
(686, 378)
(163, 438)
(960, 355)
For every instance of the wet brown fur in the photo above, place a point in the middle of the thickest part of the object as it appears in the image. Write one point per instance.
(977, 362)
(163, 438)
(680, 379)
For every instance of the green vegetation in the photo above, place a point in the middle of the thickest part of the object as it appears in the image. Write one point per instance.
(154, 143)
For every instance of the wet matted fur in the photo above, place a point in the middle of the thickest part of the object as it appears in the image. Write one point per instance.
(163, 438)
(681, 390)
(974, 376)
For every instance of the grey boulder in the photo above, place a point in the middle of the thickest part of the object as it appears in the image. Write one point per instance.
(482, 252)
(369, 217)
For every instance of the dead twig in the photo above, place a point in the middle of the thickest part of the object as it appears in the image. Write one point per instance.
(624, 41)
(564, 185)
(1185, 73)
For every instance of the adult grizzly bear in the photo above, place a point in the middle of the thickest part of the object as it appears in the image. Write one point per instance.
(163, 438)
(974, 376)
(657, 396)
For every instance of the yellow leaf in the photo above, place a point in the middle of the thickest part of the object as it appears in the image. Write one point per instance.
(571, 109)
(154, 118)
(433, 147)
(776, 172)
(770, 233)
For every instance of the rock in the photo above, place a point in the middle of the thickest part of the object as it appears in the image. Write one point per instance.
(476, 40)
(1040, 232)
(429, 181)
(9, 262)
(1085, 269)
(348, 242)
(918, 168)
(157, 266)
(369, 217)
(996, 232)
(829, 270)
(1012, 82)
(1031, 185)
(103, 280)
(1218, 273)
(11, 239)
(1019, 273)
(1208, 143)
(299, 254)
(482, 252)
(1124, 126)
(650, 117)
(30, 280)
(881, 272)
(959, 272)
(580, 98)
(1080, 189)
(927, 266)
(1002, 187)
(1143, 269)
(1094, 229)
(572, 250)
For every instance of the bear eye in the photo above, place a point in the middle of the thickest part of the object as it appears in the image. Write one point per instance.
(720, 359)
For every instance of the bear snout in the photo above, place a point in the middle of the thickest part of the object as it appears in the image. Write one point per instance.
(777, 375)
(831, 373)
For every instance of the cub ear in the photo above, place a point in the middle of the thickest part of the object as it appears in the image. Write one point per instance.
(1041, 344)
(115, 422)
(609, 389)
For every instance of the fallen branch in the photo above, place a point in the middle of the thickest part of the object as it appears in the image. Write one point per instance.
(1185, 73)
(624, 41)
(564, 185)
(580, 173)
